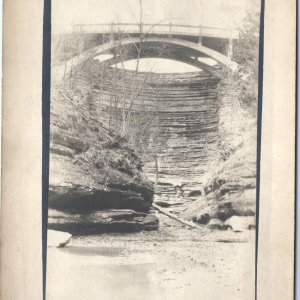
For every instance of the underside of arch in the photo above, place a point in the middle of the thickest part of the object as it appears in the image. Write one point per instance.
(213, 70)
(187, 52)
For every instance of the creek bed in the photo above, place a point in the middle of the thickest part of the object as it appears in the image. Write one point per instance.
(172, 263)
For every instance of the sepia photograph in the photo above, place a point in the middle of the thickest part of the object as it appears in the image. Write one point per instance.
(148, 150)
(154, 160)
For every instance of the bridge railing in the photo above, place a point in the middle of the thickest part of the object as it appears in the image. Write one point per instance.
(170, 28)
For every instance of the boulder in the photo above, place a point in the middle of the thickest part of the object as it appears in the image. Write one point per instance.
(239, 224)
(217, 224)
(83, 198)
(202, 218)
(101, 221)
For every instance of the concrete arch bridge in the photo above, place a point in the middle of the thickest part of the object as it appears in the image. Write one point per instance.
(125, 41)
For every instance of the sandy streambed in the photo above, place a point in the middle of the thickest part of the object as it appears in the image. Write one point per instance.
(172, 263)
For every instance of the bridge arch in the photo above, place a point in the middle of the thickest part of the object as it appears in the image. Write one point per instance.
(189, 50)
(179, 58)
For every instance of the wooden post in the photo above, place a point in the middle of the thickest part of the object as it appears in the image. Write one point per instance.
(200, 35)
(156, 169)
(141, 28)
(170, 29)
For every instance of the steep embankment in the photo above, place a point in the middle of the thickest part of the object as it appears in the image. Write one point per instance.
(229, 198)
(96, 179)
(183, 107)
(206, 166)
(174, 123)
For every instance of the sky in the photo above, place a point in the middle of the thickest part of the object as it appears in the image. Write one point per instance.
(224, 13)
(214, 13)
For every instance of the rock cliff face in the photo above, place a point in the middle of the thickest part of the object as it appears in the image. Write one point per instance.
(184, 107)
(232, 190)
(229, 192)
(113, 220)
(95, 177)
(177, 116)
(174, 127)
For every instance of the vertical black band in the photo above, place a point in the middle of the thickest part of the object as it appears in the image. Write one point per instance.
(259, 128)
(45, 130)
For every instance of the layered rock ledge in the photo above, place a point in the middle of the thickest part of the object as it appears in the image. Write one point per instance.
(229, 195)
(176, 115)
(102, 221)
(93, 171)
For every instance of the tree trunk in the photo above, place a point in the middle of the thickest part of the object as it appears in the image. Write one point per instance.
(185, 222)
(156, 169)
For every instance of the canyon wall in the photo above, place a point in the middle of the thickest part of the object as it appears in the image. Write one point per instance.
(175, 115)
(180, 125)
(96, 180)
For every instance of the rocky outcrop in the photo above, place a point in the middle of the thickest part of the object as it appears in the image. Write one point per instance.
(174, 127)
(232, 189)
(80, 197)
(93, 169)
(102, 221)
(229, 193)
(174, 115)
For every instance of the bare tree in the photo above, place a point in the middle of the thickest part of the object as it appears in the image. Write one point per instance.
(128, 114)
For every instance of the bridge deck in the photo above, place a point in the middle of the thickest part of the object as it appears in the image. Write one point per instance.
(160, 29)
